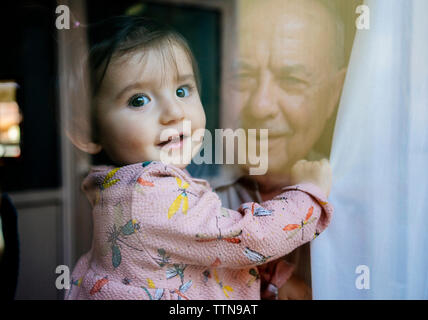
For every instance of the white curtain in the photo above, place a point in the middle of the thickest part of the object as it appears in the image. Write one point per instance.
(380, 164)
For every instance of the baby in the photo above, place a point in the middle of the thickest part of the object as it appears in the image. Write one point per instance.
(158, 232)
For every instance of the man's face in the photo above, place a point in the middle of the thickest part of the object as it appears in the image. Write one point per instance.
(286, 77)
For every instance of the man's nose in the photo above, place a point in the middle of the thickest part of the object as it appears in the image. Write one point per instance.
(172, 111)
(263, 102)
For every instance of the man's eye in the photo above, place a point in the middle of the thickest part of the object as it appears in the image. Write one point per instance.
(292, 81)
(243, 81)
(139, 100)
(182, 92)
(244, 76)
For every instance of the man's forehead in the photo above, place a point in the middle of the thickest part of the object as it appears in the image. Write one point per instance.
(272, 10)
(293, 33)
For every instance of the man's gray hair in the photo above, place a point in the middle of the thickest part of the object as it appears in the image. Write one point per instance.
(332, 7)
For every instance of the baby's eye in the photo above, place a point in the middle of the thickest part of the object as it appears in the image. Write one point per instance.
(139, 100)
(182, 91)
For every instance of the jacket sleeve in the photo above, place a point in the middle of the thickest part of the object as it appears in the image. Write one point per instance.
(187, 221)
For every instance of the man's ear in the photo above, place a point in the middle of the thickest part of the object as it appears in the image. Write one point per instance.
(85, 146)
(336, 87)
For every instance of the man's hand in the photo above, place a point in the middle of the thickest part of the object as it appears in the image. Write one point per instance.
(295, 289)
(316, 172)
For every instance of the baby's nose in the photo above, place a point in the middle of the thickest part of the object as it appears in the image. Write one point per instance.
(171, 113)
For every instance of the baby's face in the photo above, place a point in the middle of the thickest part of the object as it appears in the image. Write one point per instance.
(140, 97)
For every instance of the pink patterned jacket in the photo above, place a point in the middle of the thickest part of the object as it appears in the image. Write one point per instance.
(161, 234)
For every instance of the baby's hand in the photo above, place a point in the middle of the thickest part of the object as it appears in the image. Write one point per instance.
(316, 172)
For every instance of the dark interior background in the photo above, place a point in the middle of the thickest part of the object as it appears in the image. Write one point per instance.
(28, 56)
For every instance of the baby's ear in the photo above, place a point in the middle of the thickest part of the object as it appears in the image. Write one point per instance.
(85, 146)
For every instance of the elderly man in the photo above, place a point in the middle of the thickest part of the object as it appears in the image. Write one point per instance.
(288, 79)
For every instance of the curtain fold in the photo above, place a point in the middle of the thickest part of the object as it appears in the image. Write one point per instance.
(380, 164)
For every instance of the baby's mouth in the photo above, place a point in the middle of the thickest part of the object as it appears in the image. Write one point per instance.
(173, 141)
